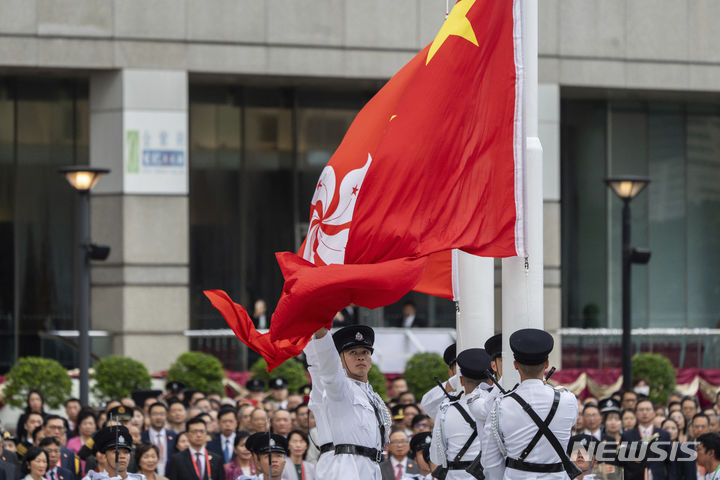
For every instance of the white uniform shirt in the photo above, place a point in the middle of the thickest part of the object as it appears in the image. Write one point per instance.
(351, 415)
(455, 431)
(517, 429)
(318, 405)
(435, 397)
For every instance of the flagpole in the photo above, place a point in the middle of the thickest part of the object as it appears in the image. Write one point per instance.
(475, 314)
(522, 281)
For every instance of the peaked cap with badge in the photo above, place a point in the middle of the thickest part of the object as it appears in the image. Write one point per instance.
(108, 438)
(120, 413)
(278, 383)
(263, 442)
(474, 363)
(398, 412)
(420, 441)
(531, 346)
(255, 385)
(354, 336)
(608, 405)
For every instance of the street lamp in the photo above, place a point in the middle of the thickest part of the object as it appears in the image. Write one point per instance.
(627, 188)
(83, 179)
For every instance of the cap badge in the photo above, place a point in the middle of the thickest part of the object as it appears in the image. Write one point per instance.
(272, 442)
(121, 440)
(121, 409)
(359, 337)
(428, 439)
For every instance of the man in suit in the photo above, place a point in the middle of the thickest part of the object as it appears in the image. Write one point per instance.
(158, 435)
(195, 462)
(409, 316)
(398, 465)
(645, 431)
(223, 442)
(55, 426)
(54, 471)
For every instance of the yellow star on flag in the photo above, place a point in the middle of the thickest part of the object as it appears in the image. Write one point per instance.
(456, 24)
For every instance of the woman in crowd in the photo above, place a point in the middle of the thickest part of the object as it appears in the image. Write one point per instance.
(671, 426)
(85, 428)
(297, 468)
(35, 463)
(629, 420)
(242, 463)
(613, 427)
(35, 404)
(679, 419)
(182, 442)
(147, 456)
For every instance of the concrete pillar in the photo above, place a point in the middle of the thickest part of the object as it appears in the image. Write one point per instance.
(549, 133)
(138, 129)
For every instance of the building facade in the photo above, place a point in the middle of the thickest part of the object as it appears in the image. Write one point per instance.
(217, 116)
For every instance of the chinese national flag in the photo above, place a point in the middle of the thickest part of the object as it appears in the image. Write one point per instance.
(432, 163)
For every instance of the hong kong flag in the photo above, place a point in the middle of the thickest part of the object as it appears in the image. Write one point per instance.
(433, 163)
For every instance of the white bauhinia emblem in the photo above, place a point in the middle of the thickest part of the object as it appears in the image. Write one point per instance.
(331, 211)
(359, 337)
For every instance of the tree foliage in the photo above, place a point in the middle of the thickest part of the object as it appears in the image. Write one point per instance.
(116, 376)
(291, 370)
(421, 370)
(378, 381)
(198, 371)
(45, 375)
(659, 373)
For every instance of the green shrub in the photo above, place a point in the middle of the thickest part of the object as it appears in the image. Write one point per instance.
(378, 381)
(421, 370)
(291, 370)
(659, 373)
(34, 373)
(198, 371)
(116, 376)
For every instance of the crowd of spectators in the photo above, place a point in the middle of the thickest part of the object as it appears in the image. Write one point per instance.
(163, 424)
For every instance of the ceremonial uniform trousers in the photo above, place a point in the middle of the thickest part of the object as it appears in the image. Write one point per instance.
(510, 428)
(259, 476)
(104, 475)
(452, 432)
(352, 418)
(318, 405)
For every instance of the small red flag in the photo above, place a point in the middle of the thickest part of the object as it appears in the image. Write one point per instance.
(432, 163)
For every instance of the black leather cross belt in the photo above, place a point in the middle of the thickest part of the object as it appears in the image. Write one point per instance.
(534, 467)
(458, 465)
(326, 447)
(371, 453)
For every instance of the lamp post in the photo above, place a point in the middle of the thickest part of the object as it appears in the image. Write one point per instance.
(83, 179)
(627, 188)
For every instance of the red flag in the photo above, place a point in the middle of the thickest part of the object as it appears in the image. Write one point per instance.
(432, 163)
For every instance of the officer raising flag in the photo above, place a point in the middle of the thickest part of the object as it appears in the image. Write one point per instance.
(527, 431)
(361, 420)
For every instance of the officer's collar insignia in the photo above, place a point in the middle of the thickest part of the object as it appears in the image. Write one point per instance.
(359, 337)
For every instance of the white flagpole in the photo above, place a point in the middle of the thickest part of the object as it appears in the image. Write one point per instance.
(475, 315)
(522, 283)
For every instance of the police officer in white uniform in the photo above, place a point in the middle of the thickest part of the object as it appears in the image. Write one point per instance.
(269, 455)
(435, 397)
(116, 444)
(359, 420)
(318, 405)
(514, 445)
(456, 437)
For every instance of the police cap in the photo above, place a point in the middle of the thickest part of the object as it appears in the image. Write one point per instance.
(264, 442)
(354, 336)
(175, 387)
(120, 413)
(420, 441)
(255, 385)
(141, 396)
(608, 405)
(278, 383)
(108, 438)
(398, 412)
(450, 355)
(305, 390)
(531, 346)
(474, 363)
(579, 441)
(493, 346)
